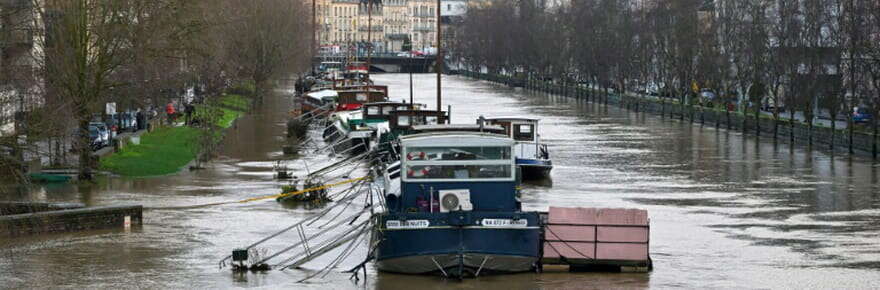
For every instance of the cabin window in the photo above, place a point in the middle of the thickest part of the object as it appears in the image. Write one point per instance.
(387, 110)
(403, 121)
(457, 153)
(431, 120)
(372, 110)
(524, 132)
(458, 171)
(402, 108)
(361, 97)
(418, 120)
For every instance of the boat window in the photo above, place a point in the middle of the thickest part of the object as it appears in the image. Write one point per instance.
(362, 97)
(430, 120)
(387, 110)
(457, 153)
(418, 120)
(372, 110)
(523, 132)
(458, 171)
(402, 108)
(402, 120)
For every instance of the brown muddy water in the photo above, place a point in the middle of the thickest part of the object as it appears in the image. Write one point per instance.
(727, 210)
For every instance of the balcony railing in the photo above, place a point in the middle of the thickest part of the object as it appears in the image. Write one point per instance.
(376, 28)
(423, 27)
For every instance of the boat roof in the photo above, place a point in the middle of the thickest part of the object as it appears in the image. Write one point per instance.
(452, 134)
(457, 127)
(524, 119)
(344, 90)
(323, 93)
(388, 103)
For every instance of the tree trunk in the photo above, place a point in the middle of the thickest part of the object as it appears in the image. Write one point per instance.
(810, 132)
(851, 127)
(791, 123)
(833, 131)
(82, 145)
(874, 143)
(757, 122)
(681, 109)
(662, 108)
(727, 113)
(775, 122)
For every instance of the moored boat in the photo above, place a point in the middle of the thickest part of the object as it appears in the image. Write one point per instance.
(532, 157)
(457, 211)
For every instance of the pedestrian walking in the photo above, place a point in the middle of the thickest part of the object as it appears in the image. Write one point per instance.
(188, 110)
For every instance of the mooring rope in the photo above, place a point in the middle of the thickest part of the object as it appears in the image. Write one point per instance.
(299, 192)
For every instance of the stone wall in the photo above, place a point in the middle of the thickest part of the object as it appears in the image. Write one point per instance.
(21, 207)
(69, 220)
(862, 143)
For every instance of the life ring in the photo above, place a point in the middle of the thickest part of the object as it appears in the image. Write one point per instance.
(412, 155)
(417, 173)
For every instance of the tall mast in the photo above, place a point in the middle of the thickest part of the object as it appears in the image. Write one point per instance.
(314, 31)
(410, 77)
(369, 35)
(439, 62)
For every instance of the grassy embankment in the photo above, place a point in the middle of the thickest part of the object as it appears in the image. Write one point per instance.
(168, 149)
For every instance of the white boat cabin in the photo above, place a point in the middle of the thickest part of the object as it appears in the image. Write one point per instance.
(525, 132)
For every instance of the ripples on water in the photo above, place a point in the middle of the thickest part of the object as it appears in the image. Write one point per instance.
(727, 210)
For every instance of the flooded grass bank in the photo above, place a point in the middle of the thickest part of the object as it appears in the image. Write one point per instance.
(168, 149)
(162, 151)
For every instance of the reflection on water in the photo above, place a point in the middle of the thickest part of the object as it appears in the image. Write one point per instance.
(728, 210)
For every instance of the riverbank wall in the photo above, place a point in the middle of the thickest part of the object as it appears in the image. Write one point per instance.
(48, 218)
(863, 143)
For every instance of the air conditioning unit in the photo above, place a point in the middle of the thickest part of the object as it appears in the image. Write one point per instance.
(457, 199)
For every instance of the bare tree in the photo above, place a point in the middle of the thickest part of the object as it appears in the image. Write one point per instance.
(265, 39)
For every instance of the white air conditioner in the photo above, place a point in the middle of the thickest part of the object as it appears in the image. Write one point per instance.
(457, 199)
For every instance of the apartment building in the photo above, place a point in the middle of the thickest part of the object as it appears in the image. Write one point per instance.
(344, 23)
(397, 27)
(20, 86)
(423, 23)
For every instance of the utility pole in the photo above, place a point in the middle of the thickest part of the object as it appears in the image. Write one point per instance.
(439, 61)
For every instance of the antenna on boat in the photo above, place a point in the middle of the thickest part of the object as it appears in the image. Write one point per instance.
(439, 61)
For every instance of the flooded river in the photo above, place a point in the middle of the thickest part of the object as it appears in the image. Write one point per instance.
(727, 210)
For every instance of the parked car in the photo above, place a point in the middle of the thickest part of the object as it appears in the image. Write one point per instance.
(861, 115)
(707, 94)
(102, 134)
(769, 104)
(652, 89)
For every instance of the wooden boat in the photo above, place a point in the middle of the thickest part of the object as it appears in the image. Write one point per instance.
(48, 178)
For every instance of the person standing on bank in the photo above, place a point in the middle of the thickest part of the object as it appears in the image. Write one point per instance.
(169, 111)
